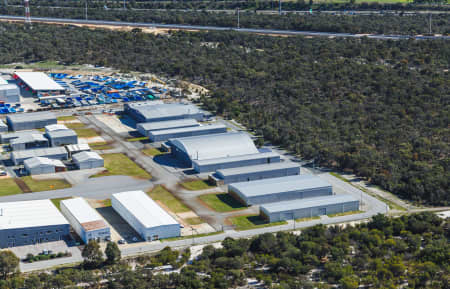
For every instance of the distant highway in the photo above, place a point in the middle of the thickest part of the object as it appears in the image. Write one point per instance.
(216, 28)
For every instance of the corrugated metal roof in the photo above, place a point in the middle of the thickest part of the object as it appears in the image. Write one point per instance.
(156, 111)
(86, 156)
(188, 129)
(28, 138)
(30, 117)
(25, 214)
(84, 213)
(55, 127)
(39, 152)
(159, 125)
(8, 87)
(39, 81)
(40, 161)
(235, 158)
(216, 145)
(307, 203)
(61, 133)
(17, 134)
(257, 168)
(144, 209)
(78, 147)
(278, 185)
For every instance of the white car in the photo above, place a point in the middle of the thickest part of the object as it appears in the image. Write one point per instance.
(3, 173)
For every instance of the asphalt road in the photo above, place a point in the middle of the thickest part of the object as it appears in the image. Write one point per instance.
(216, 28)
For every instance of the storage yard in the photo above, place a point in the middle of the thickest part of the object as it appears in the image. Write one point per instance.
(206, 171)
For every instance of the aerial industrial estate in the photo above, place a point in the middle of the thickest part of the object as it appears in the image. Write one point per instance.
(188, 145)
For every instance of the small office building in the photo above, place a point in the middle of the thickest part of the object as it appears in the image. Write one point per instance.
(253, 173)
(33, 120)
(31, 222)
(152, 112)
(39, 165)
(279, 189)
(145, 215)
(146, 127)
(28, 141)
(56, 153)
(163, 135)
(87, 160)
(307, 208)
(85, 220)
(62, 137)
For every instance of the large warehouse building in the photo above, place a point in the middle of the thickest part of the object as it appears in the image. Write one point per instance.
(8, 136)
(39, 165)
(9, 92)
(145, 216)
(151, 112)
(85, 220)
(163, 135)
(29, 141)
(24, 121)
(279, 189)
(146, 127)
(252, 173)
(31, 222)
(38, 82)
(62, 137)
(212, 152)
(56, 153)
(307, 208)
(88, 160)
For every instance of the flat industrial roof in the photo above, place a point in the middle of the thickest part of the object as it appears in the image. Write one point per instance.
(55, 127)
(307, 203)
(188, 129)
(216, 145)
(257, 168)
(16, 134)
(61, 133)
(279, 185)
(156, 111)
(42, 152)
(235, 158)
(39, 81)
(26, 214)
(160, 125)
(84, 214)
(31, 117)
(144, 209)
(29, 138)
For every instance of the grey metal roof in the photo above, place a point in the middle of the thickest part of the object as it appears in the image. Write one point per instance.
(86, 156)
(216, 145)
(235, 158)
(61, 133)
(78, 147)
(2, 123)
(39, 152)
(142, 104)
(17, 134)
(159, 125)
(84, 213)
(307, 203)
(28, 138)
(187, 129)
(35, 162)
(54, 127)
(30, 117)
(257, 168)
(279, 185)
(38, 80)
(156, 111)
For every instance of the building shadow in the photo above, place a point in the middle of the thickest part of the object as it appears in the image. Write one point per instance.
(168, 160)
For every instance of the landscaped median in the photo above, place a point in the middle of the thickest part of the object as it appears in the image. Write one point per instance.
(120, 164)
(197, 185)
(249, 222)
(221, 202)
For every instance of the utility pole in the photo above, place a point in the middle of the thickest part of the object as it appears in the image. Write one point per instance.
(124, 5)
(238, 24)
(27, 12)
(85, 10)
(279, 7)
(430, 22)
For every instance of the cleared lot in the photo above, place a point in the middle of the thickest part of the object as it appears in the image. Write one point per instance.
(221, 202)
(120, 164)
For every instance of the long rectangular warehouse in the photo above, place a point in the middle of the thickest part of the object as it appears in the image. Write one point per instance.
(31, 222)
(145, 215)
(38, 81)
(32, 120)
(211, 165)
(252, 173)
(307, 208)
(279, 189)
(6, 137)
(163, 135)
(146, 127)
(57, 153)
(151, 112)
(85, 220)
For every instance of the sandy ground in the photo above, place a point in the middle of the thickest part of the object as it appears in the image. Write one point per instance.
(114, 123)
(89, 140)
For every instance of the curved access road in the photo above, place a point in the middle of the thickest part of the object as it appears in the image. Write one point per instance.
(217, 28)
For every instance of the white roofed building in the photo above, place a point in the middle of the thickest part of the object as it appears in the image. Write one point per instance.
(31, 222)
(145, 215)
(37, 82)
